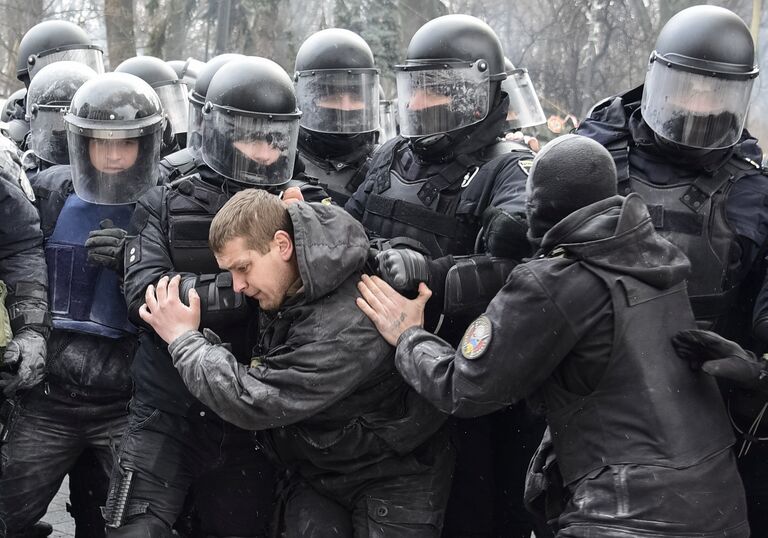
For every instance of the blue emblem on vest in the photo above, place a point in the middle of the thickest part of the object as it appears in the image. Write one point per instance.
(83, 296)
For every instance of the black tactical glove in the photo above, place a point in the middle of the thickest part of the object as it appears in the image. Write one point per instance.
(403, 269)
(105, 246)
(722, 358)
(25, 356)
(504, 234)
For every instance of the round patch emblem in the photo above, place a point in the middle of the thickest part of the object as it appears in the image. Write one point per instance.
(477, 338)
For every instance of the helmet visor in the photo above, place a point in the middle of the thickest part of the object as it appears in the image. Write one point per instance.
(194, 125)
(174, 100)
(252, 150)
(112, 171)
(48, 134)
(695, 110)
(90, 57)
(524, 107)
(435, 100)
(338, 101)
(387, 121)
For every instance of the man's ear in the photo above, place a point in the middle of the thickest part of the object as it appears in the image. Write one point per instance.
(284, 244)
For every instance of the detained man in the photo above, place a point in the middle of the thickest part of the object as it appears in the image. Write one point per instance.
(367, 456)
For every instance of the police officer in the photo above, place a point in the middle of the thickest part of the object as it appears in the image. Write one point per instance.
(433, 184)
(114, 128)
(171, 91)
(584, 330)
(337, 87)
(49, 96)
(679, 141)
(184, 162)
(250, 128)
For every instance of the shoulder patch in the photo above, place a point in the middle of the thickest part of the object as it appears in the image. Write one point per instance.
(476, 338)
(525, 165)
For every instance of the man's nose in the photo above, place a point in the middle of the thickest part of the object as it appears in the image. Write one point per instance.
(238, 283)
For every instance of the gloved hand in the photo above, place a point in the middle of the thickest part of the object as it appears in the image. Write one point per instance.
(721, 358)
(504, 234)
(105, 246)
(26, 356)
(403, 269)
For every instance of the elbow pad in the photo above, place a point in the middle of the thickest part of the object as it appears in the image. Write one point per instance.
(219, 303)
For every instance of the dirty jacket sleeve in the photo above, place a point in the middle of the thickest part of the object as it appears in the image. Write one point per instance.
(330, 349)
(531, 333)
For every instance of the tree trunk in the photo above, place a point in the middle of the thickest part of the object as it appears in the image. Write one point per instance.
(121, 43)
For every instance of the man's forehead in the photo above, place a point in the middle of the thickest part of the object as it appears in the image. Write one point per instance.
(234, 252)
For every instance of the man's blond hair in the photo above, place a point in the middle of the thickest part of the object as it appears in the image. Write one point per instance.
(253, 214)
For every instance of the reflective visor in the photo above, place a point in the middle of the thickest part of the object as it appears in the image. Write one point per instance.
(174, 100)
(524, 107)
(334, 101)
(48, 134)
(194, 125)
(695, 110)
(438, 98)
(90, 57)
(253, 150)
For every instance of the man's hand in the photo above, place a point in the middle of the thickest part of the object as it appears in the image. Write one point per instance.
(530, 141)
(721, 358)
(392, 313)
(164, 311)
(26, 356)
(402, 269)
(105, 246)
(291, 195)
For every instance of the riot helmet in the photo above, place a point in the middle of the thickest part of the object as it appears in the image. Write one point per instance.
(55, 41)
(700, 78)
(14, 101)
(337, 84)
(450, 77)
(197, 97)
(524, 107)
(251, 123)
(163, 79)
(115, 127)
(48, 98)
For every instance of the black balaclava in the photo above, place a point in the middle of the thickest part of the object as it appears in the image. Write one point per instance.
(346, 147)
(569, 173)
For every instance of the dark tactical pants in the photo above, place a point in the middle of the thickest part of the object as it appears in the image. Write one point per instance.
(163, 457)
(397, 497)
(50, 435)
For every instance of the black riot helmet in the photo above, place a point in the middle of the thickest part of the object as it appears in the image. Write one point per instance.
(251, 123)
(48, 98)
(337, 83)
(700, 78)
(164, 80)
(524, 106)
(16, 99)
(450, 79)
(197, 96)
(54, 41)
(115, 127)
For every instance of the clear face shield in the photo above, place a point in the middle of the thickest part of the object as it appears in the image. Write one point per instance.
(692, 109)
(175, 105)
(256, 150)
(438, 98)
(195, 125)
(524, 107)
(112, 167)
(387, 120)
(339, 101)
(92, 57)
(48, 133)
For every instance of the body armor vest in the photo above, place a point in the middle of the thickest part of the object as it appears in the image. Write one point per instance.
(692, 216)
(427, 209)
(646, 397)
(85, 297)
(338, 179)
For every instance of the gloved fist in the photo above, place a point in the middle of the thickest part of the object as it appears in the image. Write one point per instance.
(105, 246)
(26, 355)
(403, 269)
(721, 358)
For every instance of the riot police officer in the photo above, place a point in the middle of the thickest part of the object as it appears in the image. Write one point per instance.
(49, 95)
(171, 91)
(433, 184)
(114, 127)
(679, 141)
(337, 86)
(250, 128)
(184, 162)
